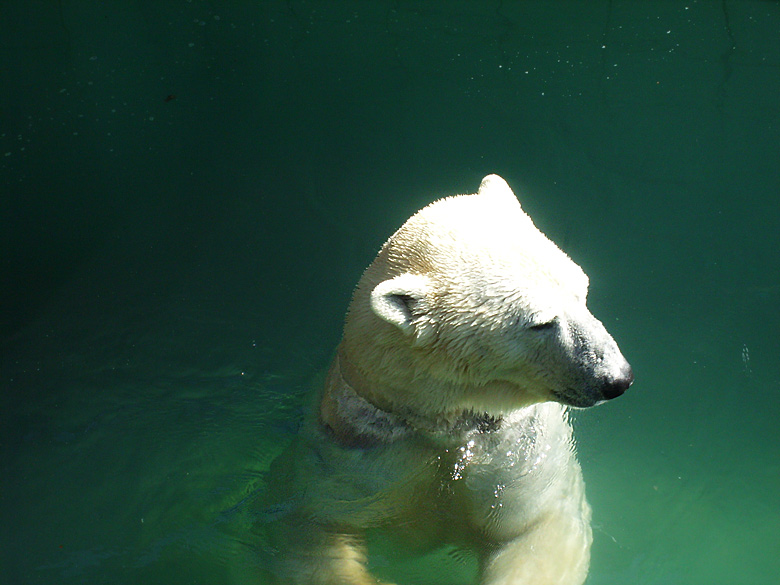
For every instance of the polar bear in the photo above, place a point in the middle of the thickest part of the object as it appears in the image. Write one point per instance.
(443, 417)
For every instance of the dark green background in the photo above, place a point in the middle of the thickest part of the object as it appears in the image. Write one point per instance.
(189, 190)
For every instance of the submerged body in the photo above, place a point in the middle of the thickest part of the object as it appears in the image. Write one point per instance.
(443, 416)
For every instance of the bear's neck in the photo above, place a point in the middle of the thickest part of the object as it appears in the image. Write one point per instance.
(355, 415)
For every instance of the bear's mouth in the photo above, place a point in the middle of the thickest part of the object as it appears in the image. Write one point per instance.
(575, 399)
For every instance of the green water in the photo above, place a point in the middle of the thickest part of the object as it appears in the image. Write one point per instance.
(189, 190)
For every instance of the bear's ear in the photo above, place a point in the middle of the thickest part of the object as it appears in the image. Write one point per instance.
(403, 301)
(494, 185)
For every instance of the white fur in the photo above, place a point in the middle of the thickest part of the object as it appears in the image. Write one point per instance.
(443, 416)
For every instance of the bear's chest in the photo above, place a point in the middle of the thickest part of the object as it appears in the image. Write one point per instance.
(490, 480)
(503, 480)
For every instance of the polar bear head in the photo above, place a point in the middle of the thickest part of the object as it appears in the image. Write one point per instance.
(469, 307)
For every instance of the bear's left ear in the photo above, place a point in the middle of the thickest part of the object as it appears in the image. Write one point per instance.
(497, 187)
(403, 301)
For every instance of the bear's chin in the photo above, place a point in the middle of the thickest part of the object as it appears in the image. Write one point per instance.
(578, 401)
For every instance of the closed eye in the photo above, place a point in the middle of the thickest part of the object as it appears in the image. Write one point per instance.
(543, 326)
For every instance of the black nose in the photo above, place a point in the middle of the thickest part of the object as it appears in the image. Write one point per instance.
(619, 385)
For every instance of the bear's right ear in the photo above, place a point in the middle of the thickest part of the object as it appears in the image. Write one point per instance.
(403, 301)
